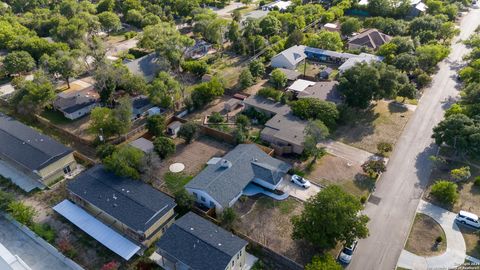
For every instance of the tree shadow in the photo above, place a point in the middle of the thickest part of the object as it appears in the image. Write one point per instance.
(396, 107)
(363, 182)
(424, 165)
(357, 124)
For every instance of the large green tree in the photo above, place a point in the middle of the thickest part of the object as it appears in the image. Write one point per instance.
(313, 108)
(331, 216)
(126, 161)
(18, 62)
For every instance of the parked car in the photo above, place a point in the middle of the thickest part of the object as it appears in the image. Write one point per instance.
(468, 218)
(347, 253)
(298, 180)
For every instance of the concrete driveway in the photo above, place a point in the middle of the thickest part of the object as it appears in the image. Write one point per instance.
(297, 191)
(31, 252)
(351, 154)
(455, 254)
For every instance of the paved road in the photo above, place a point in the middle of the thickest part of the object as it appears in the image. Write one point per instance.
(398, 194)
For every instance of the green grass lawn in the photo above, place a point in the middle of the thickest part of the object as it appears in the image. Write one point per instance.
(55, 117)
(176, 181)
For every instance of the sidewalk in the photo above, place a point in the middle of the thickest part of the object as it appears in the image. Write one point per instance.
(455, 254)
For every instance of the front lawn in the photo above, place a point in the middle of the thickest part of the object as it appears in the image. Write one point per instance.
(424, 233)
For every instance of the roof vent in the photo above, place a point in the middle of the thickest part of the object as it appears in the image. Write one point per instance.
(191, 228)
(114, 197)
(219, 244)
(115, 205)
(226, 164)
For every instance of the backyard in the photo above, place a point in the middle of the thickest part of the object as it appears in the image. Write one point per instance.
(365, 129)
(268, 222)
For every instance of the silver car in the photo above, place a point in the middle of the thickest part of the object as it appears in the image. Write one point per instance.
(347, 253)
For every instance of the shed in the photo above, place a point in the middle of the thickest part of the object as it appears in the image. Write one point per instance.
(174, 127)
(143, 144)
(325, 73)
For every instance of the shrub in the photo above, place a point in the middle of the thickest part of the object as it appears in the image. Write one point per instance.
(188, 131)
(105, 150)
(45, 231)
(363, 199)
(5, 199)
(21, 212)
(477, 181)
(215, 118)
(312, 108)
(184, 201)
(384, 147)
(156, 124)
(228, 217)
(460, 174)
(374, 167)
(196, 67)
(439, 239)
(130, 34)
(269, 92)
(445, 191)
(246, 79)
(278, 79)
(164, 147)
(242, 121)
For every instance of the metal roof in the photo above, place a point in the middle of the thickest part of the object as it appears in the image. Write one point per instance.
(96, 229)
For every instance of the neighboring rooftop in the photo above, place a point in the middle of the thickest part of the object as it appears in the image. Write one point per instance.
(200, 244)
(370, 38)
(143, 144)
(277, 5)
(300, 85)
(326, 90)
(361, 58)
(79, 95)
(146, 66)
(226, 179)
(132, 202)
(28, 147)
(9, 261)
(292, 75)
(294, 54)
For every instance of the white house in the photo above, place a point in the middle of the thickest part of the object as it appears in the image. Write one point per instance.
(289, 58)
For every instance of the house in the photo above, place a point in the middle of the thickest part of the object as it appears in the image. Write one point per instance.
(199, 50)
(289, 58)
(284, 131)
(370, 38)
(173, 128)
(222, 182)
(147, 66)
(292, 75)
(332, 27)
(123, 214)
(7, 90)
(140, 106)
(279, 5)
(143, 145)
(300, 85)
(417, 8)
(195, 243)
(326, 90)
(361, 58)
(232, 104)
(30, 159)
(78, 100)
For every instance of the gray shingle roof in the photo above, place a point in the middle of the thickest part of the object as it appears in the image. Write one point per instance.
(199, 243)
(224, 184)
(28, 147)
(132, 202)
(371, 38)
(145, 66)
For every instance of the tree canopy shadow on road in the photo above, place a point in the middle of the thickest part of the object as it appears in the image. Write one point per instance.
(424, 165)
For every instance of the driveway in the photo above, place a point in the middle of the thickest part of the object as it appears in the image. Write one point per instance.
(297, 191)
(400, 188)
(31, 252)
(228, 9)
(453, 257)
(351, 154)
(115, 49)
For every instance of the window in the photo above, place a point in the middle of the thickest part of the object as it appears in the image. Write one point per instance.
(67, 169)
(202, 198)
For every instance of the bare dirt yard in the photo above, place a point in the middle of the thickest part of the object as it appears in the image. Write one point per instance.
(334, 170)
(382, 123)
(423, 235)
(268, 222)
(194, 155)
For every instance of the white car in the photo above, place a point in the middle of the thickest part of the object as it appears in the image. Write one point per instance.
(468, 218)
(347, 253)
(298, 180)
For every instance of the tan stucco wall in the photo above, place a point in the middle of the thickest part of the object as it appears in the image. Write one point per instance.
(55, 170)
(239, 263)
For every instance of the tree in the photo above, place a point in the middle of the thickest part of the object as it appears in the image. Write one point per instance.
(374, 167)
(18, 62)
(184, 200)
(126, 161)
(329, 217)
(460, 132)
(315, 132)
(384, 147)
(205, 92)
(106, 122)
(109, 21)
(246, 79)
(325, 40)
(278, 79)
(350, 26)
(408, 90)
(323, 262)
(105, 5)
(445, 191)
(61, 63)
(257, 68)
(270, 25)
(156, 125)
(227, 217)
(105, 150)
(188, 131)
(269, 92)
(382, 8)
(430, 55)
(33, 96)
(164, 147)
(313, 108)
(242, 121)
(196, 67)
(358, 85)
(164, 90)
(21, 212)
(167, 41)
(406, 62)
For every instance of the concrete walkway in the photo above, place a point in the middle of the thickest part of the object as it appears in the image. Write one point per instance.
(252, 189)
(453, 257)
(352, 154)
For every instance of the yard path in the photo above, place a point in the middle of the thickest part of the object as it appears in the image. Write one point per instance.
(351, 154)
(453, 257)
(400, 188)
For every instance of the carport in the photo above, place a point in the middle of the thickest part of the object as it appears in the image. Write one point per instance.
(96, 229)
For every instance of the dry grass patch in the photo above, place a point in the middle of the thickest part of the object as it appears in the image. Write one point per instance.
(383, 123)
(471, 241)
(268, 222)
(423, 235)
(338, 171)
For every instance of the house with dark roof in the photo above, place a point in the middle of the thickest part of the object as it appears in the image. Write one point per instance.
(370, 38)
(147, 66)
(140, 106)
(30, 159)
(222, 182)
(78, 100)
(197, 244)
(131, 207)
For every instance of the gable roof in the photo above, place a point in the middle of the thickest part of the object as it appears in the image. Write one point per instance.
(145, 66)
(130, 201)
(371, 38)
(28, 147)
(224, 180)
(293, 55)
(325, 90)
(200, 244)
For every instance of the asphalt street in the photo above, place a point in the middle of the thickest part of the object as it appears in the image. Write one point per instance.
(398, 192)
